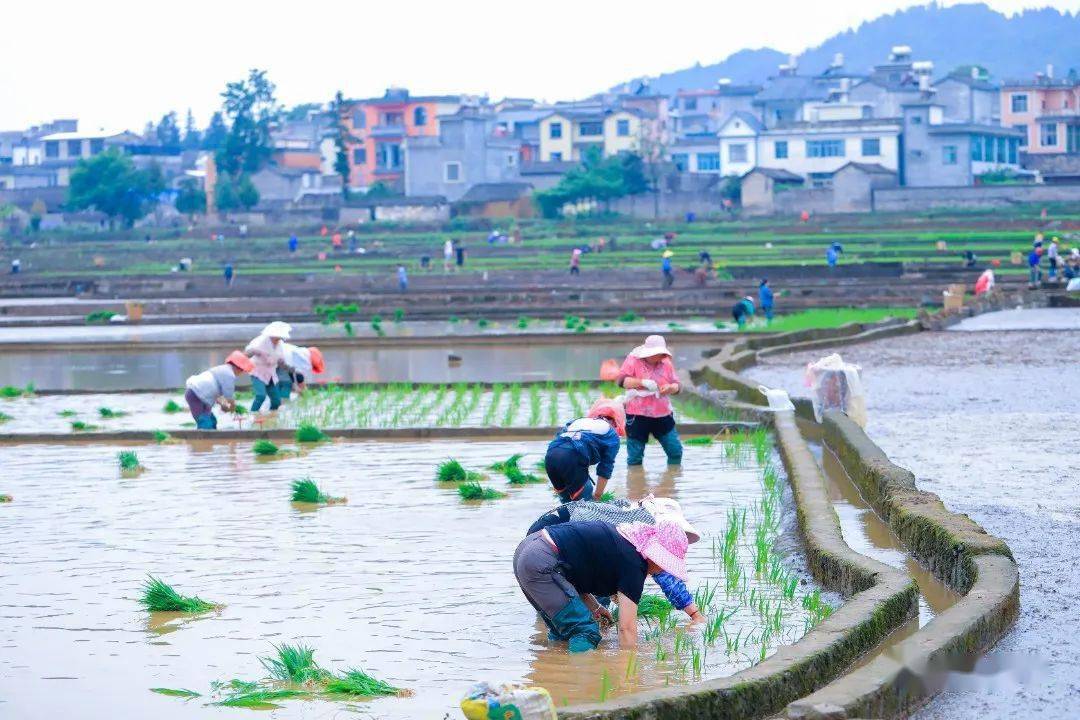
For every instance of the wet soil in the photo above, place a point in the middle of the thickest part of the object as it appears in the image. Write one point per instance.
(406, 580)
(987, 420)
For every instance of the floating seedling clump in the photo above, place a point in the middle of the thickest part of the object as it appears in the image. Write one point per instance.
(504, 465)
(305, 490)
(4, 417)
(358, 683)
(308, 433)
(11, 392)
(6, 499)
(129, 461)
(176, 692)
(607, 497)
(160, 436)
(80, 426)
(67, 413)
(171, 406)
(160, 597)
(99, 317)
(265, 448)
(451, 471)
(261, 699)
(475, 491)
(515, 476)
(108, 413)
(294, 664)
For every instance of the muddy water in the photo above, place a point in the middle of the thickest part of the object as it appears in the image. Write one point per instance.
(168, 369)
(405, 581)
(987, 420)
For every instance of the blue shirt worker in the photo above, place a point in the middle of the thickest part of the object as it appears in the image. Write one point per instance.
(765, 296)
(293, 243)
(587, 441)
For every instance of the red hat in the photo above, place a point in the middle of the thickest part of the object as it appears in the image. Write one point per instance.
(612, 410)
(240, 360)
(318, 365)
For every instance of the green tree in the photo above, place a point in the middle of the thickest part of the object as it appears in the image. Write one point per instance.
(110, 183)
(192, 137)
(341, 140)
(301, 111)
(215, 134)
(250, 107)
(190, 198)
(597, 178)
(235, 193)
(167, 130)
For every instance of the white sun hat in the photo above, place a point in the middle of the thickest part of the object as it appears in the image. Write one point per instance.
(671, 510)
(653, 345)
(278, 329)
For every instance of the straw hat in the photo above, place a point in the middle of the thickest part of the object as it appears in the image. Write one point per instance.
(667, 254)
(670, 510)
(664, 543)
(613, 410)
(653, 345)
(240, 360)
(277, 329)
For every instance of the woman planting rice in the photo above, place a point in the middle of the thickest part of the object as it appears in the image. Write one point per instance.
(298, 365)
(591, 440)
(267, 353)
(562, 567)
(649, 371)
(650, 511)
(215, 386)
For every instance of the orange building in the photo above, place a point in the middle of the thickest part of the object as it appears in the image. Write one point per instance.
(378, 128)
(1047, 109)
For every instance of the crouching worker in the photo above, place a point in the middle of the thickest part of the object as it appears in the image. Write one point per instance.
(562, 567)
(298, 364)
(591, 440)
(216, 386)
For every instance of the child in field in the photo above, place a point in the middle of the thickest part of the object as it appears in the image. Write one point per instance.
(216, 386)
(591, 440)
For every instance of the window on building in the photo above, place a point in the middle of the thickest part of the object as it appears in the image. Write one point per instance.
(988, 148)
(736, 153)
(511, 160)
(1048, 134)
(976, 148)
(916, 119)
(708, 162)
(74, 148)
(821, 180)
(1023, 129)
(1014, 150)
(824, 148)
(359, 156)
(393, 119)
(452, 172)
(1019, 103)
(780, 149)
(681, 161)
(867, 112)
(591, 128)
(622, 128)
(419, 117)
(556, 157)
(1072, 137)
(871, 147)
(690, 103)
(388, 156)
(359, 119)
(97, 146)
(52, 148)
(555, 130)
(948, 154)
(1002, 149)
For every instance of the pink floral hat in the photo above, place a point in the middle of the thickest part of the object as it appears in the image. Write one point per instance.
(664, 543)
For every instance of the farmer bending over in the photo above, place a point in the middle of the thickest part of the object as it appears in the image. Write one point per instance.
(591, 440)
(215, 386)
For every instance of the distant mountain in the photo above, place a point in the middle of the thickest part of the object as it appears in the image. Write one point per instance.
(1010, 47)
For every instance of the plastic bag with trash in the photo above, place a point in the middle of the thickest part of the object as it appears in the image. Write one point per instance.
(509, 701)
(835, 385)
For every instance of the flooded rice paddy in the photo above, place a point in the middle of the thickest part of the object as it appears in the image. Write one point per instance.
(406, 581)
(367, 406)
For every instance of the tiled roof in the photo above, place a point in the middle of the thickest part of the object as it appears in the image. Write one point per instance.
(961, 128)
(552, 167)
(791, 87)
(872, 168)
(398, 201)
(777, 174)
(496, 192)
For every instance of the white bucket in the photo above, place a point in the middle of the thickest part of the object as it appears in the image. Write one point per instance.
(778, 399)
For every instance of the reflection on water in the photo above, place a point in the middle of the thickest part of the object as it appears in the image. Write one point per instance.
(405, 581)
(168, 369)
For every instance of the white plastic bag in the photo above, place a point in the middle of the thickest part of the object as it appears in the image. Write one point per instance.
(485, 701)
(835, 385)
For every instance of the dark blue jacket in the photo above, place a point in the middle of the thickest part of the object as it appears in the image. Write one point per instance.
(766, 295)
(598, 449)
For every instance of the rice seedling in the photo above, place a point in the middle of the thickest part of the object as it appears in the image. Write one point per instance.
(605, 686)
(160, 597)
(171, 406)
(4, 417)
(629, 316)
(9, 391)
(512, 404)
(308, 433)
(515, 476)
(107, 413)
(631, 665)
(294, 664)
(451, 471)
(265, 448)
(553, 403)
(504, 465)
(176, 692)
(6, 498)
(67, 413)
(453, 319)
(359, 684)
(80, 426)
(160, 436)
(473, 490)
(493, 404)
(99, 317)
(399, 315)
(482, 323)
(522, 322)
(347, 328)
(607, 497)
(304, 490)
(702, 440)
(534, 405)
(260, 699)
(129, 461)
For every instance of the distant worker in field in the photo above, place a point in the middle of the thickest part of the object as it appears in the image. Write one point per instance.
(216, 386)
(705, 260)
(266, 353)
(575, 261)
(402, 278)
(765, 297)
(985, 283)
(742, 311)
(970, 260)
(1053, 259)
(335, 241)
(832, 256)
(16, 266)
(666, 268)
(582, 443)
(649, 376)
(459, 252)
(293, 243)
(1034, 270)
(229, 272)
(297, 366)
(1072, 265)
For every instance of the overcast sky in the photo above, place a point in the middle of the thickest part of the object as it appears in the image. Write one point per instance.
(118, 63)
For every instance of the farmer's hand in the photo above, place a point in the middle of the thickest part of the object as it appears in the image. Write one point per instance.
(649, 385)
(697, 617)
(669, 389)
(602, 613)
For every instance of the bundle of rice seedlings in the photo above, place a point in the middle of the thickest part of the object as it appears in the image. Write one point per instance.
(451, 471)
(504, 465)
(161, 597)
(260, 699)
(475, 491)
(129, 461)
(171, 406)
(306, 491)
(482, 323)
(9, 391)
(264, 447)
(294, 664)
(80, 426)
(399, 315)
(652, 607)
(161, 436)
(607, 497)
(106, 413)
(176, 692)
(516, 477)
(703, 440)
(360, 684)
(6, 499)
(307, 432)
(67, 413)
(4, 417)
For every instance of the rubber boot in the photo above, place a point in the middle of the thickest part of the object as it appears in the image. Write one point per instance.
(575, 622)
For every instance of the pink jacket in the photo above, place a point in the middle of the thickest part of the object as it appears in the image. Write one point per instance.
(266, 357)
(663, 373)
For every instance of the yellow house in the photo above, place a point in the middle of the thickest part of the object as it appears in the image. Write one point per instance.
(557, 138)
(566, 134)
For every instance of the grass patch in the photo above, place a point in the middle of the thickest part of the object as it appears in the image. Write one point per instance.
(308, 433)
(475, 491)
(829, 318)
(451, 471)
(4, 417)
(294, 664)
(6, 499)
(129, 461)
(171, 406)
(160, 597)
(107, 413)
(305, 490)
(265, 447)
(359, 684)
(80, 426)
(176, 692)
